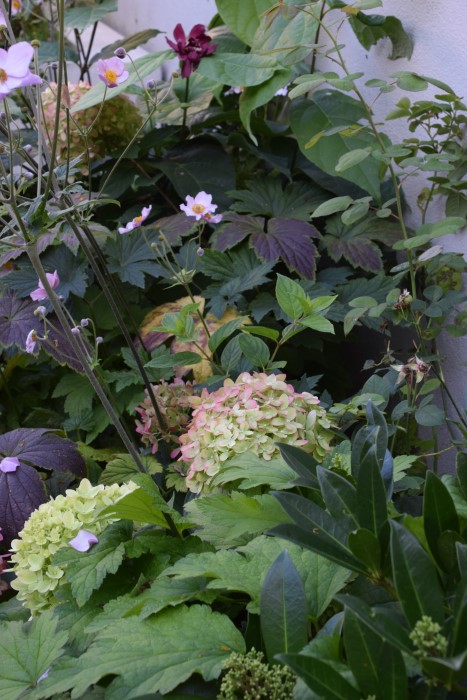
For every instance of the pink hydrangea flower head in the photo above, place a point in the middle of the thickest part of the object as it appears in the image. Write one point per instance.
(251, 414)
(40, 294)
(9, 464)
(112, 71)
(190, 51)
(137, 221)
(175, 406)
(14, 68)
(83, 541)
(200, 206)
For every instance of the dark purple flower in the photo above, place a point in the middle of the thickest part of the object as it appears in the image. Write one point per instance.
(190, 51)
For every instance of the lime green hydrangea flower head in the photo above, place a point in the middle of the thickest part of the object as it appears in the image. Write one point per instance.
(116, 125)
(52, 526)
(251, 414)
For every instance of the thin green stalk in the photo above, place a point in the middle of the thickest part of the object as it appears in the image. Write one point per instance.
(90, 374)
(61, 60)
(185, 102)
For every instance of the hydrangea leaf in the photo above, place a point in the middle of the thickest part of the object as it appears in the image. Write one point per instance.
(244, 69)
(289, 240)
(85, 571)
(243, 17)
(234, 519)
(150, 656)
(252, 471)
(27, 651)
(21, 492)
(16, 319)
(285, 32)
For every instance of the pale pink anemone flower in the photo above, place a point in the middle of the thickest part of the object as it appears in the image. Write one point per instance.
(40, 294)
(137, 221)
(31, 342)
(9, 464)
(112, 71)
(83, 541)
(16, 6)
(14, 68)
(201, 207)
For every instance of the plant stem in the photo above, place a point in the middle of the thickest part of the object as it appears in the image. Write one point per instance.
(185, 107)
(94, 381)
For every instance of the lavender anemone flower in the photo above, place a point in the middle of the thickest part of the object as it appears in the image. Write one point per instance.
(31, 342)
(9, 464)
(83, 541)
(112, 71)
(201, 207)
(14, 68)
(40, 294)
(190, 51)
(137, 221)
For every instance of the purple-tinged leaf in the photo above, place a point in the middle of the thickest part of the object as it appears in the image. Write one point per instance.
(16, 319)
(21, 492)
(290, 240)
(236, 229)
(18, 246)
(59, 347)
(359, 252)
(41, 448)
(174, 227)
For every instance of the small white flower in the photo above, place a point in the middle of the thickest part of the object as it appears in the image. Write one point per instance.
(200, 206)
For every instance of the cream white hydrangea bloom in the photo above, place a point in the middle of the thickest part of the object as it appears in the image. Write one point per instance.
(52, 526)
(251, 414)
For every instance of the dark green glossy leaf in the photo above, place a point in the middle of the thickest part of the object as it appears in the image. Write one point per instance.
(315, 529)
(321, 677)
(415, 577)
(283, 609)
(366, 547)
(461, 469)
(461, 552)
(303, 464)
(447, 670)
(372, 509)
(458, 639)
(387, 626)
(339, 495)
(439, 514)
(362, 649)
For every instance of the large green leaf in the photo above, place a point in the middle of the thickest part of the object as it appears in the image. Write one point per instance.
(242, 16)
(321, 677)
(339, 495)
(285, 32)
(439, 515)
(150, 656)
(369, 29)
(234, 519)
(131, 258)
(283, 609)
(372, 509)
(81, 17)
(386, 624)
(258, 95)
(415, 577)
(458, 640)
(140, 68)
(378, 667)
(243, 69)
(327, 110)
(27, 651)
(251, 471)
(315, 529)
(142, 505)
(85, 571)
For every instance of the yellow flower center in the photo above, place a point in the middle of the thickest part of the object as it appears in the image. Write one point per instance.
(198, 208)
(137, 219)
(110, 75)
(3, 76)
(16, 4)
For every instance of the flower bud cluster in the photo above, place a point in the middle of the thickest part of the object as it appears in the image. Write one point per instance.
(50, 527)
(427, 638)
(248, 677)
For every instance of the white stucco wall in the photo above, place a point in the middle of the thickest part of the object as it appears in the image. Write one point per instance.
(440, 51)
